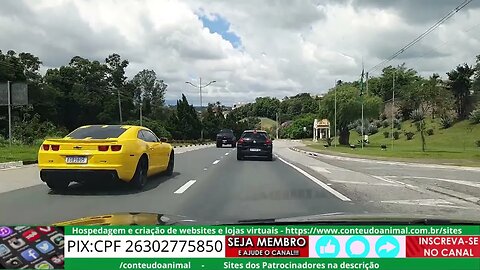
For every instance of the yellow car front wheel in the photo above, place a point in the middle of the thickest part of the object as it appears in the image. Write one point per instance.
(171, 164)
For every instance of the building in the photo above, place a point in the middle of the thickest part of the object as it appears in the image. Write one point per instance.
(321, 129)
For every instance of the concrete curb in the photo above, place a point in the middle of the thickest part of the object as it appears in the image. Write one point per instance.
(189, 145)
(423, 165)
(12, 164)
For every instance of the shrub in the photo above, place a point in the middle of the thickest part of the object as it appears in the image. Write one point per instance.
(383, 116)
(385, 123)
(430, 132)
(477, 143)
(377, 123)
(386, 134)
(32, 129)
(417, 115)
(409, 135)
(475, 116)
(372, 129)
(397, 123)
(358, 129)
(396, 135)
(154, 125)
(446, 121)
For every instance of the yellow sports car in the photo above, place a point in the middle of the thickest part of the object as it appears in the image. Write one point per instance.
(99, 153)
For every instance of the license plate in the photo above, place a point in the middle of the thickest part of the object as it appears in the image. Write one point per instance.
(254, 150)
(77, 160)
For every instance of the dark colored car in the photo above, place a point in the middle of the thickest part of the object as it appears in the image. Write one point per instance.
(226, 136)
(254, 143)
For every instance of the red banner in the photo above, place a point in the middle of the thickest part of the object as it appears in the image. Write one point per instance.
(443, 246)
(266, 246)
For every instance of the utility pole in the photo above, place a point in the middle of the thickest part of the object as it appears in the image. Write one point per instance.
(119, 106)
(200, 86)
(277, 125)
(141, 116)
(393, 107)
(9, 103)
(366, 83)
(335, 125)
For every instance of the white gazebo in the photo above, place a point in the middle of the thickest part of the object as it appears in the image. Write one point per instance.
(321, 129)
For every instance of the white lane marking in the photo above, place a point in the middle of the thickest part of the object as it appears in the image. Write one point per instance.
(427, 202)
(216, 161)
(455, 181)
(226, 154)
(316, 181)
(365, 183)
(185, 187)
(394, 182)
(383, 179)
(319, 169)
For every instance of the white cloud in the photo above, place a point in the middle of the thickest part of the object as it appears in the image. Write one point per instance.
(287, 46)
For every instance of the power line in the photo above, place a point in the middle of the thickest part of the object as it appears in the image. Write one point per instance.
(424, 34)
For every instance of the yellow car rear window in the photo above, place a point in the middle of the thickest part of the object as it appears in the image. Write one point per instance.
(98, 132)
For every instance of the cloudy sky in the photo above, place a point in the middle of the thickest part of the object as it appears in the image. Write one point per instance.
(250, 47)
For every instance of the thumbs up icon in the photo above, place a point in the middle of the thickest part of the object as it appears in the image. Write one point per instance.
(328, 248)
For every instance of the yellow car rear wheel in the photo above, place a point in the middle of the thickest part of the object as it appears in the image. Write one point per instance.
(57, 185)
(140, 177)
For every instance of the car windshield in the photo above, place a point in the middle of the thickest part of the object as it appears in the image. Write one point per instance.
(229, 111)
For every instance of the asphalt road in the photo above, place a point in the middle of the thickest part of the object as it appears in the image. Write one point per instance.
(210, 185)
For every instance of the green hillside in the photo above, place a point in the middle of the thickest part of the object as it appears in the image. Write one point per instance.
(455, 145)
(267, 123)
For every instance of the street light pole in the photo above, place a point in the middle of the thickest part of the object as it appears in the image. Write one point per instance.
(200, 86)
(9, 97)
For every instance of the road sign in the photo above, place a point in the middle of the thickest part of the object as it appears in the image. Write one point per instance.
(3, 93)
(19, 94)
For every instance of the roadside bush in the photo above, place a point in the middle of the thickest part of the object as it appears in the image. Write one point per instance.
(386, 134)
(153, 125)
(32, 129)
(430, 132)
(475, 116)
(477, 143)
(372, 129)
(409, 135)
(358, 129)
(397, 123)
(385, 123)
(3, 141)
(446, 121)
(377, 123)
(417, 115)
(396, 135)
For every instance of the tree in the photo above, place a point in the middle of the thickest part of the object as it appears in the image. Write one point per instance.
(405, 78)
(266, 107)
(460, 82)
(348, 108)
(184, 123)
(476, 82)
(213, 120)
(150, 91)
(117, 80)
